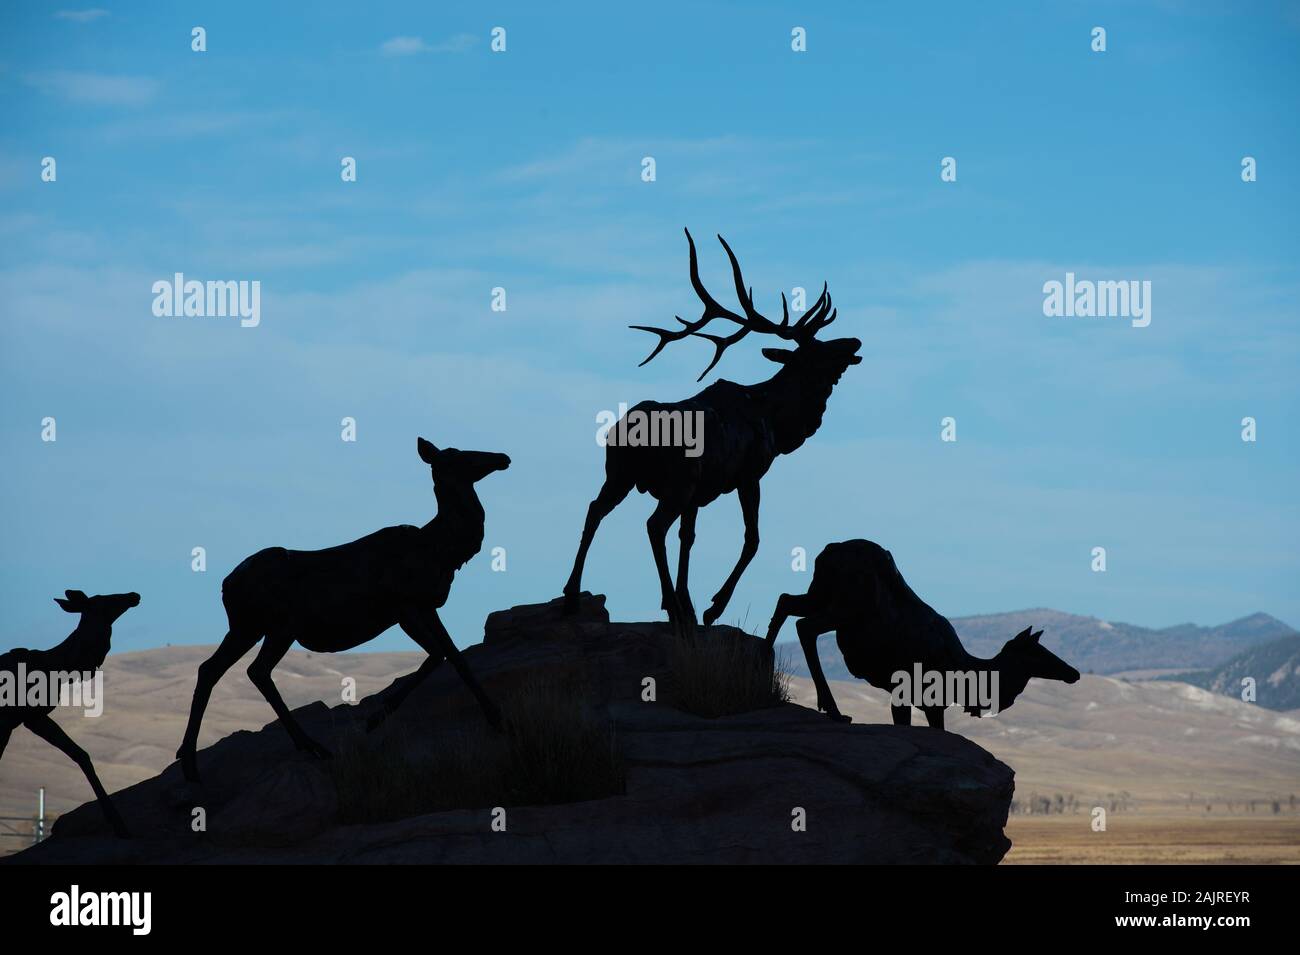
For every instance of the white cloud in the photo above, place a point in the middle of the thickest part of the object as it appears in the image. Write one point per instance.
(81, 16)
(98, 89)
(404, 46)
(414, 45)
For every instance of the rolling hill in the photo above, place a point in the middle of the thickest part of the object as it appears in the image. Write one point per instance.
(1147, 746)
(1158, 742)
(1275, 667)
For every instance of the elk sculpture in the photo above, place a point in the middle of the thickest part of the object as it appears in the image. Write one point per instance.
(744, 428)
(84, 650)
(883, 628)
(341, 597)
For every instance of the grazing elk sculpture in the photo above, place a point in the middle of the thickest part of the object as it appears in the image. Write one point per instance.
(882, 628)
(338, 598)
(82, 652)
(744, 428)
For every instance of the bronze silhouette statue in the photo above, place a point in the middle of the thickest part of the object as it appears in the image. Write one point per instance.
(882, 628)
(83, 651)
(745, 427)
(341, 597)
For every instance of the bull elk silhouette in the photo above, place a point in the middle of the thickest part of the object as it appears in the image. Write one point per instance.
(745, 427)
(341, 597)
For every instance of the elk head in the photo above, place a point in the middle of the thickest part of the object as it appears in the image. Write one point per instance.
(1022, 659)
(824, 359)
(104, 608)
(1038, 661)
(461, 467)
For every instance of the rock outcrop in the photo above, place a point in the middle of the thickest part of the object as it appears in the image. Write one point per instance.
(777, 785)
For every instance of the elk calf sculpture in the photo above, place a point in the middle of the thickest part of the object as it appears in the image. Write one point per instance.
(745, 427)
(882, 628)
(338, 598)
(84, 650)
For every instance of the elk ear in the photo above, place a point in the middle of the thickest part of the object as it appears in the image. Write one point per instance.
(427, 451)
(1034, 636)
(778, 355)
(1025, 637)
(74, 603)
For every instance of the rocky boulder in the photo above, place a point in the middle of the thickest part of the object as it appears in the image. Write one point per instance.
(781, 784)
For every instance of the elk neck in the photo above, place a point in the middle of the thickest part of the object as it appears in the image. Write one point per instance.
(456, 532)
(793, 401)
(84, 649)
(1012, 675)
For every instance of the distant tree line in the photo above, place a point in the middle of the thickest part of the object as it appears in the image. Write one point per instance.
(1061, 804)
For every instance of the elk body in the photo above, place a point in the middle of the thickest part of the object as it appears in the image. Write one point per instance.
(744, 429)
(83, 651)
(338, 598)
(882, 628)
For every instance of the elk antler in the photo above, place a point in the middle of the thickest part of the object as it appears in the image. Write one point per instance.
(800, 332)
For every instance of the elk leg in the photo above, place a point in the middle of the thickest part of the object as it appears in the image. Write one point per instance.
(934, 716)
(393, 700)
(810, 628)
(748, 495)
(442, 642)
(902, 715)
(259, 671)
(686, 538)
(50, 731)
(4, 739)
(657, 529)
(211, 670)
(788, 605)
(611, 495)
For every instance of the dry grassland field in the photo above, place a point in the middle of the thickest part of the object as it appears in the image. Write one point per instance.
(1154, 754)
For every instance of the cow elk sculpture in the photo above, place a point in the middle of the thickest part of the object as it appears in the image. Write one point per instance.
(882, 628)
(744, 428)
(83, 651)
(341, 597)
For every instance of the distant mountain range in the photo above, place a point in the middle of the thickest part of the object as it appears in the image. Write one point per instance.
(1275, 667)
(1096, 646)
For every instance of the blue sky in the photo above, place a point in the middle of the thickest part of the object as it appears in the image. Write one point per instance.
(522, 170)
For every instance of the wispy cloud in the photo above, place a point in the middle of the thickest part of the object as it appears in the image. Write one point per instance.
(456, 44)
(404, 46)
(100, 89)
(81, 16)
(414, 45)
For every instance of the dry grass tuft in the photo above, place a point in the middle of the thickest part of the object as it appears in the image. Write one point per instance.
(555, 747)
(721, 673)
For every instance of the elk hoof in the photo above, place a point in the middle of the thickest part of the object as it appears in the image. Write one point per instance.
(189, 768)
(711, 615)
